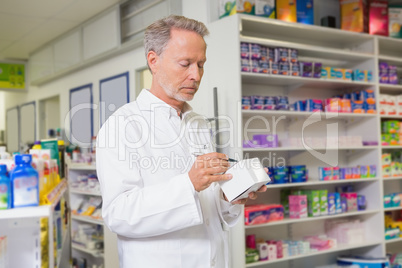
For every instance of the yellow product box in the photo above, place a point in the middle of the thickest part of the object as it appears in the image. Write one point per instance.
(325, 72)
(245, 6)
(286, 10)
(354, 15)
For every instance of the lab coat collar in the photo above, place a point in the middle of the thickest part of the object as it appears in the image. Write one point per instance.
(149, 102)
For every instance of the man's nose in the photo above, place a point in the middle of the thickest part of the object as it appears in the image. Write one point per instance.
(195, 72)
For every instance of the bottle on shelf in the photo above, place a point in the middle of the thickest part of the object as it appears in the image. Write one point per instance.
(25, 182)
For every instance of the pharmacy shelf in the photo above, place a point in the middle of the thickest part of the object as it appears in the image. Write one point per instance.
(286, 80)
(392, 178)
(76, 191)
(334, 38)
(95, 253)
(310, 50)
(309, 219)
(317, 182)
(395, 240)
(390, 88)
(81, 166)
(65, 249)
(266, 149)
(336, 249)
(293, 114)
(391, 116)
(38, 211)
(390, 60)
(87, 219)
(393, 209)
(394, 147)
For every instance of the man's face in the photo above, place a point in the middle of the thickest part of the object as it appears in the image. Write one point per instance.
(180, 66)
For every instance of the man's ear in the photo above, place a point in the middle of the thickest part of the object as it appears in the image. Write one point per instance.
(152, 59)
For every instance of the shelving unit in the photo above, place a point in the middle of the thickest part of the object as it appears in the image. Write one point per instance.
(23, 224)
(331, 47)
(108, 256)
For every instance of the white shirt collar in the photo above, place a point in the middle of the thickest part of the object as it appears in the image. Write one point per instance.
(149, 102)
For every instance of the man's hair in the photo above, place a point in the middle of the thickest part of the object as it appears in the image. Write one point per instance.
(157, 35)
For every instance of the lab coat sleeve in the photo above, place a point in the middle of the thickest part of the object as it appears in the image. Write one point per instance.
(229, 213)
(130, 209)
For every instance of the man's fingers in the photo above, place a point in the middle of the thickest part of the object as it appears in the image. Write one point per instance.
(221, 177)
(262, 189)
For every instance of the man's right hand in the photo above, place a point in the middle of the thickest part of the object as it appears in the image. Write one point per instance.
(207, 169)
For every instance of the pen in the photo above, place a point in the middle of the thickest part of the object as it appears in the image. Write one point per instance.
(229, 159)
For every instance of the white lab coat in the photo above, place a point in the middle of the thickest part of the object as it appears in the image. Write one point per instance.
(148, 198)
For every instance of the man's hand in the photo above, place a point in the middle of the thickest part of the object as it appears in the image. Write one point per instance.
(207, 169)
(252, 196)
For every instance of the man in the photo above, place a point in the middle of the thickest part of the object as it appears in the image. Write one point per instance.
(155, 163)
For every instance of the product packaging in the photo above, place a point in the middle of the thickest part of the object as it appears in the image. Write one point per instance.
(265, 8)
(25, 182)
(248, 176)
(226, 8)
(245, 6)
(378, 17)
(354, 15)
(305, 11)
(395, 21)
(286, 10)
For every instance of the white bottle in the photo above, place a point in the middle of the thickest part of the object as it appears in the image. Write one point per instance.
(3, 153)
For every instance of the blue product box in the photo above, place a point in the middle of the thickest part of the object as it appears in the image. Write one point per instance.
(293, 55)
(281, 175)
(270, 103)
(299, 106)
(359, 75)
(274, 67)
(283, 103)
(313, 105)
(305, 11)
(255, 51)
(281, 54)
(362, 262)
(245, 50)
(284, 68)
(306, 69)
(297, 173)
(270, 174)
(373, 171)
(338, 205)
(294, 69)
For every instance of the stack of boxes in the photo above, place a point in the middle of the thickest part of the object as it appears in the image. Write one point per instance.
(391, 164)
(390, 105)
(388, 74)
(363, 16)
(391, 132)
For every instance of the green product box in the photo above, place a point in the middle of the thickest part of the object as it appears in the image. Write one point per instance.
(395, 21)
(313, 202)
(390, 126)
(54, 149)
(385, 139)
(323, 202)
(284, 199)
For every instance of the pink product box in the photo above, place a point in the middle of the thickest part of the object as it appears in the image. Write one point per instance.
(297, 206)
(351, 201)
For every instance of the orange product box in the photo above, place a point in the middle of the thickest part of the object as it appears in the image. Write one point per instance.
(345, 106)
(354, 15)
(286, 10)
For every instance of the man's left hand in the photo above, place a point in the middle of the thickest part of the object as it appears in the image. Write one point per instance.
(252, 196)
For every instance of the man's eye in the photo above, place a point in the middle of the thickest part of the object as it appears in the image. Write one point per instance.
(184, 64)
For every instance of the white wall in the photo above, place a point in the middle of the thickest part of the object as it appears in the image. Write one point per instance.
(130, 61)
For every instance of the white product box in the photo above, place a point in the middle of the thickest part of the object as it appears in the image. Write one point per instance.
(248, 176)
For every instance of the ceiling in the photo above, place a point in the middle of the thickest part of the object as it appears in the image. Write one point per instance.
(26, 25)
